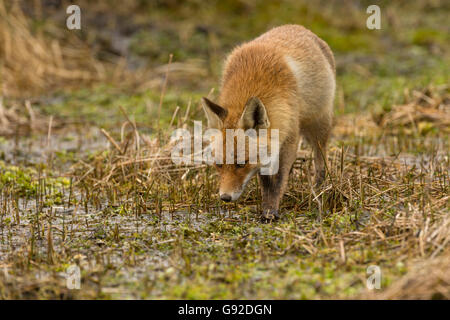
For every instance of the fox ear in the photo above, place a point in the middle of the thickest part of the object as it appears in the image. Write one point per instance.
(254, 115)
(214, 113)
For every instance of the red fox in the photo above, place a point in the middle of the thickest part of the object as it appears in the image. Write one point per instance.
(285, 80)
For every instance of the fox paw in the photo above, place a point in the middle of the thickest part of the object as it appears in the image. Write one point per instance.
(269, 215)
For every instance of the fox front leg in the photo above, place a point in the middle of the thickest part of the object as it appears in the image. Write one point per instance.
(271, 193)
(274, 186)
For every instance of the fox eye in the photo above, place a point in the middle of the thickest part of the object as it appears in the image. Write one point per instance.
(241, 165)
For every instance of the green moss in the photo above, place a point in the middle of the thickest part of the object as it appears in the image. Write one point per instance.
(426, 36)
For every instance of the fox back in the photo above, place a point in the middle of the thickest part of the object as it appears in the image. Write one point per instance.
(289, 69)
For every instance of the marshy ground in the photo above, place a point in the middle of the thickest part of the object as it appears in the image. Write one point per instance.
(86, 177)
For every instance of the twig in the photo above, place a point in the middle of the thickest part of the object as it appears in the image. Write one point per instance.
(111, 139)
(163, 90)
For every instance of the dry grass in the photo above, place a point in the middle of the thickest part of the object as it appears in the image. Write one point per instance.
(20, 119)
(34, 62)
(430, 108)
(428, 279)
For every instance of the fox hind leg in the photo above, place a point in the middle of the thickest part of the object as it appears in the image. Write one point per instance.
(317, 136)
(320, 156)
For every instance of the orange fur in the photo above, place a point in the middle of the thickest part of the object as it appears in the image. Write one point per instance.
(292, 72)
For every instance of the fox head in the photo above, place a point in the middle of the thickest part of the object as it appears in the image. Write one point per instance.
(238, 163)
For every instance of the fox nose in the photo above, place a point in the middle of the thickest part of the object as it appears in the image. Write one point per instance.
(225, 197)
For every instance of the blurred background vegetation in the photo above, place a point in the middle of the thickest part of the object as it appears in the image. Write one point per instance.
(120, 55)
